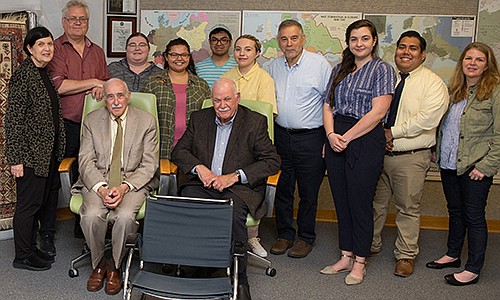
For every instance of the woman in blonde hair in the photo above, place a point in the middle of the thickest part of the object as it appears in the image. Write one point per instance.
(469, 156)
(253, 83)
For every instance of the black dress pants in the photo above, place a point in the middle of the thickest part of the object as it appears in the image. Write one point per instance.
(32, 193)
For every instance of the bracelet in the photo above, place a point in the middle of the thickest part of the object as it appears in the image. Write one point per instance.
(328, 135)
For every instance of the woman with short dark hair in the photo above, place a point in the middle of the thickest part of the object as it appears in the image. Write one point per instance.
(35, 145)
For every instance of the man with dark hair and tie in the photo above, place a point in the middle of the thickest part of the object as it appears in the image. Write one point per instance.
(420, 100)
(118, 163)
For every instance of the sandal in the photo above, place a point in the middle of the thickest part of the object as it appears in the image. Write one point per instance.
(329, 270)
(352, 280)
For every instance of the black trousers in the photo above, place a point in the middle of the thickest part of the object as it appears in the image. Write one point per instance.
(32, 193)
(240, 211)
(301, 163)
(353, 175)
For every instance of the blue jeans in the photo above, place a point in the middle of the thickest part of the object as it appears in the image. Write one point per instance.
(466, 200)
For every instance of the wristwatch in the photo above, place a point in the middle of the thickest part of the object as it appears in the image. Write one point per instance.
(238, 174)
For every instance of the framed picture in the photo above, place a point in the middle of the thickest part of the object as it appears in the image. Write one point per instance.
(119, 29)
(121, 7)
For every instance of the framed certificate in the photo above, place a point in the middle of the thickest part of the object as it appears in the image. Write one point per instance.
(119, 29)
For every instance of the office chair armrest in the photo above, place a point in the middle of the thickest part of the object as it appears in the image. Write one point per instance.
(273, 179)
(66, 164)
(133, 240)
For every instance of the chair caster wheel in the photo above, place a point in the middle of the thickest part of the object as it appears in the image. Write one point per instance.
(271, 272)
(73, 273)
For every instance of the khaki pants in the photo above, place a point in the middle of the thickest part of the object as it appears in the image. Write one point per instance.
(94, 221)
(403, 177)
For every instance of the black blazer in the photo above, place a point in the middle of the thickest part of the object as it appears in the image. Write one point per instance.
(249, 148)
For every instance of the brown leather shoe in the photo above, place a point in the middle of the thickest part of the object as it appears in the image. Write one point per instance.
(300, 249)
(113, 281)
(96, 279)
(280, 246)
(404, 267)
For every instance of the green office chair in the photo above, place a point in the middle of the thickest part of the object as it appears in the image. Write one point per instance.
(143, 101)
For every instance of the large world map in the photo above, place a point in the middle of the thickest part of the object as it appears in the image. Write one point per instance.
(446, 37)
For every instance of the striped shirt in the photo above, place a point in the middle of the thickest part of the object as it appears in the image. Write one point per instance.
(354, 94)
(210, 72)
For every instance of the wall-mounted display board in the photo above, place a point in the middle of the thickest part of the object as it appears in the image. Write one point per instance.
(325, 32)
(488, 25)
(446, 37)
(194, 26)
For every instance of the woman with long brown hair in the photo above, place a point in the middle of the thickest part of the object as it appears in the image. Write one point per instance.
(468, 157)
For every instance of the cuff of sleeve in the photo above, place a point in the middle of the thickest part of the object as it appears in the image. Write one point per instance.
(96, 186)
(130, 186)
(397, 132)
(243, 177)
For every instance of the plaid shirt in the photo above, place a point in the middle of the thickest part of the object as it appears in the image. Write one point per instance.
(161, 85)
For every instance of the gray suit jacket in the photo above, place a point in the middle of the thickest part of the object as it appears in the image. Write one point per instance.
(140, 150)
(249, 148)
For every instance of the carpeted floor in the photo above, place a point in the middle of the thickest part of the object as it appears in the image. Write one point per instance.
(296, 278)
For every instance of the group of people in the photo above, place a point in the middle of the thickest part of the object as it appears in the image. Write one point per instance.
(374, 130)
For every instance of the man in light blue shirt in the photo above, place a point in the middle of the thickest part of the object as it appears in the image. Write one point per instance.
(301, 79)
(213, 67)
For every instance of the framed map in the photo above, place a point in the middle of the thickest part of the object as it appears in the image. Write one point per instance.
(325, 32)
(446, 37)
(488, 25)
(194, 26)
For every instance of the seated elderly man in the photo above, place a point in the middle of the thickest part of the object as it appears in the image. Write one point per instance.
(118, 168)
(228, 153)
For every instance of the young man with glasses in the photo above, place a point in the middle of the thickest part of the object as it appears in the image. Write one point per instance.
(78, 68)
(213, 67)
(135, 68)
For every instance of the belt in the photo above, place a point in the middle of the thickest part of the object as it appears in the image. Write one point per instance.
(297, 131)
(396, 153)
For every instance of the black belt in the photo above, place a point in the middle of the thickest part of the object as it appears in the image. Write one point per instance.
(297, 131)
(396, 153)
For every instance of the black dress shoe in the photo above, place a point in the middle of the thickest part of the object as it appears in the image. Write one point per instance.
(32, 263)
(450, 279)
(47, 244)
(44, 255)
(244, 292)
(435, 265)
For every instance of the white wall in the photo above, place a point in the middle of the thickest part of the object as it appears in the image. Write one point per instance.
(50, 15)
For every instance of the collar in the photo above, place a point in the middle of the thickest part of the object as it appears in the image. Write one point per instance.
(123, 117)
(298, 62)
(218, 122)
(252, 71)
(65, 40)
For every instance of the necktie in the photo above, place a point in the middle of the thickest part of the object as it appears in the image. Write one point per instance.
(115, 169)
(393, 110)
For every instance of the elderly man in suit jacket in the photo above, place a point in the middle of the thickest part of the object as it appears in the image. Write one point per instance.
(227, 151)
(118, 168)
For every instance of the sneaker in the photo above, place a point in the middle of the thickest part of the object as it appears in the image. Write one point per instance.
(32, 263)
(47, 244)
(255, 246)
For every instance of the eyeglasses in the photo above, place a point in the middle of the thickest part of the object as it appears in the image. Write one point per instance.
(176, 55)
(73, 20)
(140, 45)
(222, 41)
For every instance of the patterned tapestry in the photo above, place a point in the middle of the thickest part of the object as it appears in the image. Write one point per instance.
(13, 29)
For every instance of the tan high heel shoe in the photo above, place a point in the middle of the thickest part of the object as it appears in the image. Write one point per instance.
(351, 280)
(329, 270)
